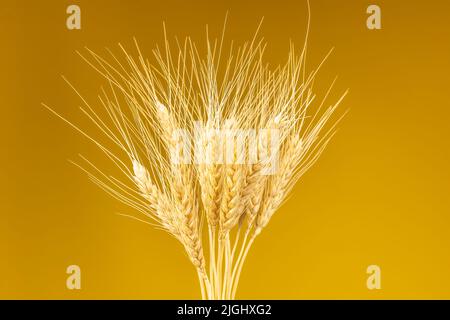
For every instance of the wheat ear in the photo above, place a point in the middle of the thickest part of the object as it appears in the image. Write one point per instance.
(234, 179)
(158, 202)
(182, 180)
(210, 176)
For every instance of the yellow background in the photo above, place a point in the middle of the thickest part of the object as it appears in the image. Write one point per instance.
(378, 195)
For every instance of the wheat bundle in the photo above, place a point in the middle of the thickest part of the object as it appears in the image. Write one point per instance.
(208, 144)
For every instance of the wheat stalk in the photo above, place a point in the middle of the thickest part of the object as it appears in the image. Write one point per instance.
(146, 105)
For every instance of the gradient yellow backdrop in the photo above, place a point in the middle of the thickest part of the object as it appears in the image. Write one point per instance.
(379, 194)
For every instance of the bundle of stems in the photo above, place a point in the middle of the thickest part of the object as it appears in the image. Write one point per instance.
(209, 146)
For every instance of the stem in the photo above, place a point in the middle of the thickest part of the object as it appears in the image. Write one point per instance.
(219, 279)
(227, 265)
(208, 286)
(244, 241)
(241, 264)
(212, 258)
(235, 243)
(230, 273)
(202, 287)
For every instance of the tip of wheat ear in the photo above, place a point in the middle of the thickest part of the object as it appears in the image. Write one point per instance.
(162, 108)
(138, 169)
(277, 119)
